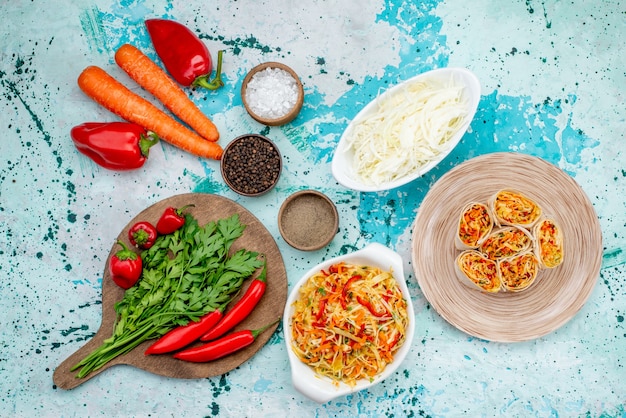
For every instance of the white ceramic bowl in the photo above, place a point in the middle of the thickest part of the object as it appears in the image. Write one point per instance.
(342, 163)
(321, 388)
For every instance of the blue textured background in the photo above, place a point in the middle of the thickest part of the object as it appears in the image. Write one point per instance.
(553, 77)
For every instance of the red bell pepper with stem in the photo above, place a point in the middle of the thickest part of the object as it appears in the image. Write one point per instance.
(242, 308)
(114, 145)
(184, 335)
(142, 235)
(125, 267)
(222, 347)
(184, 55)
(171, 220)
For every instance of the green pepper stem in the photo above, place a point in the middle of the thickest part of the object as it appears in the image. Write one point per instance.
(147, 141)
(125, 253)
(263, 275)
(255, 332)
(180, 210)
(216, 83)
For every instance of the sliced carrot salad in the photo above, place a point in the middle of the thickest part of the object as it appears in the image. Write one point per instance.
(519, 272)
(515, 208)
(349, 321)
(550, 242)
(474, 224)
(480, 270)
(505, 243)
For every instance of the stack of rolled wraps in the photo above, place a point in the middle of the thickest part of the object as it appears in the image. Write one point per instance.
(505, 243)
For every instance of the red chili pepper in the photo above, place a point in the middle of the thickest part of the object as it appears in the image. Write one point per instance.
(222, 347)
(125, 267)
(114, 145)
(171, 220)
(242, 308)
(186, 334)
(344, 291)
(184, 55)
(142, 235)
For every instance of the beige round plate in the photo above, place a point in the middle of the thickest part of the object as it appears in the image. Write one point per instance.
(255, 238)
(555, 297)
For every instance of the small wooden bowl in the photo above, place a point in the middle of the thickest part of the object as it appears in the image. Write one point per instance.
(296, 108)
(308, 220)
(255, 173)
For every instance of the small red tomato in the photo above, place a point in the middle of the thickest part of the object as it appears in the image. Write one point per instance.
(125, 267)
(142, 235)
(171, 220)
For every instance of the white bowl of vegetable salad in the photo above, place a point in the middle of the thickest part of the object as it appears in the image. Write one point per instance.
(407, 130)
(348, 323)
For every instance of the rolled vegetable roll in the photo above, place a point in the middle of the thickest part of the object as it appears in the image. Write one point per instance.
(477, 271)
(513, 208)
(475, 224)
(506, 242)
(549, 243)
(518, 272)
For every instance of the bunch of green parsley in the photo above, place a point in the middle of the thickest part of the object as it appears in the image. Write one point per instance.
(185, 275)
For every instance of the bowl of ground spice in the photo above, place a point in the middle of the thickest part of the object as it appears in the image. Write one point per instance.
(272, 93)
(251, 164)
(308, 220)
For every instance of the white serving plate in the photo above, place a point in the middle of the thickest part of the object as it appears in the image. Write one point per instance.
(342, 163)
(321, 388)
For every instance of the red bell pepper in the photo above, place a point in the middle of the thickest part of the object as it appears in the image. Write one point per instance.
(142, 235)
(321, 310)
(114, 145)
(242, 308)
(345, 291)
(184, 55)
(171, 220)
(370, 307)
(125, 267)
(222, 347)
(320, 315)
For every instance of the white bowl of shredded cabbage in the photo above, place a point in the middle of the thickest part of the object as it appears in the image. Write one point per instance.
(383, 329)
(407, 130)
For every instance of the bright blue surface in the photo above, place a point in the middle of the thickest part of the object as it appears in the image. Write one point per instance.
(553, 81)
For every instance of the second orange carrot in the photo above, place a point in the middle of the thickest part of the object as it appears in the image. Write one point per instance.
(152, 78)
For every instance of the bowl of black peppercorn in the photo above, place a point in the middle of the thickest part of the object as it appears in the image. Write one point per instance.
(251, 164)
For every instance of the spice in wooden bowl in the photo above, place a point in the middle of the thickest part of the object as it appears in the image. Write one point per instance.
(272, 93)
(251, 165)
(308, 220)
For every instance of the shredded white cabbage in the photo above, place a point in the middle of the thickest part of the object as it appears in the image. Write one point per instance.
(408, 130)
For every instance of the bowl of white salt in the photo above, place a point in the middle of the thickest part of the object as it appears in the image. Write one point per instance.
(272, 93)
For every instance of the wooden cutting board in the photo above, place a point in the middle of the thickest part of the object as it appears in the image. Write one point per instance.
(255, 238)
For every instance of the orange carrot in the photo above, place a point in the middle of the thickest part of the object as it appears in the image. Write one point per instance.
(114, 96)
(152, 78)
